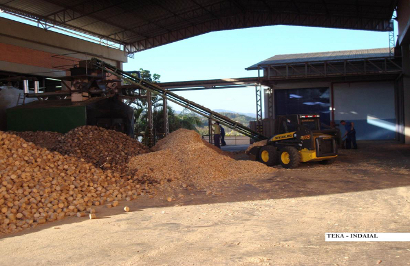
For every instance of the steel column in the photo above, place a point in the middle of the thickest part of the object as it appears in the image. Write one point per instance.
(405, 50)
(258, 91)
(392, 43)
(270, 102)
(210, 130)
(332, 104)
(165, 111)
(150, 120)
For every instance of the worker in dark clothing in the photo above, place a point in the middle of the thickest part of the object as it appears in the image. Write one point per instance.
(217, 134)
(350, 134)
(222, 136)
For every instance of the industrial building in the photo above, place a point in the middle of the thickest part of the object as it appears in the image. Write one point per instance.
(360, 86)
(40, 54)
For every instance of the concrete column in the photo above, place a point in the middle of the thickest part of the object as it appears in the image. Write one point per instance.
(406, 91)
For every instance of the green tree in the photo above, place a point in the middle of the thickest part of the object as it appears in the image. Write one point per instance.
(175, 121)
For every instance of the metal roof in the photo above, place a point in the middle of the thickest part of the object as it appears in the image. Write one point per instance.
(322, 56)
(144, 24)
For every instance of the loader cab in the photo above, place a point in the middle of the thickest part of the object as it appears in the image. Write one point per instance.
(310, 121)
(291, 123)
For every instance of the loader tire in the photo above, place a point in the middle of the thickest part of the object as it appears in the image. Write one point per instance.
(289, 157)
(268, 155)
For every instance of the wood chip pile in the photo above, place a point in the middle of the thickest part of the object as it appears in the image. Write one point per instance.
(45, 139)
(183, 156)
(256, 144)
(37, 185)
(107, 149)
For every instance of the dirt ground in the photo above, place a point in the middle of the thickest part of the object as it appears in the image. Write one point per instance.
(277, 219)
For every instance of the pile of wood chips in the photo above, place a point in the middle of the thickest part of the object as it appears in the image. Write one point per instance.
(106, 149)
(256, 144)
(183, 156)
(45, 139)
(38, 185)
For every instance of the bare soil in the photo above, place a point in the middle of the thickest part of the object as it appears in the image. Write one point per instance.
(272, 219)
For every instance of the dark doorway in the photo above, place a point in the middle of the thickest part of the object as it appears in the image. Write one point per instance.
(304, 101)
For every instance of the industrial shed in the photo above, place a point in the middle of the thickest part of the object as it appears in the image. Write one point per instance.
(185, 201)
(358, 86)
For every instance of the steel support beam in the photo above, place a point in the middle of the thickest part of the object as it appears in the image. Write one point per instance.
(270, 103)
(392, 42)
(406, 92)
(210, 130)
(150, 133)
(335, 68)
(178, 22)
(258, 91)
(165, 111)
(256, 19)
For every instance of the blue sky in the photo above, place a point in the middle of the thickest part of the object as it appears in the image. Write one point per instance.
(226, 54)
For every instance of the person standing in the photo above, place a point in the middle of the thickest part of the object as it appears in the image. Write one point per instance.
(350, 134)
(217, 134)
(222, 136)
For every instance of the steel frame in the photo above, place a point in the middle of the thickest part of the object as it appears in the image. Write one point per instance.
(333, 68)
(150, 120)
(392, 42)
(202, 18)
(270, 102)
(165, 113)
(248, 20)
(199, 109)
(258, 92)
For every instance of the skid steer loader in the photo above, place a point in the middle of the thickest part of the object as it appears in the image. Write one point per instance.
(298, 138)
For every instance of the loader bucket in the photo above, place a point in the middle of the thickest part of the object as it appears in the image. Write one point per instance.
(254, 153)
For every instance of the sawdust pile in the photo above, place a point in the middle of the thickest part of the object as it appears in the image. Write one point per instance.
(183, 156)
(107, 149)
(45, 139)
(39, 186)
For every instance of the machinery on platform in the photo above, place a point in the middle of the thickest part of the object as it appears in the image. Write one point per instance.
(298, 138)
(97, 93)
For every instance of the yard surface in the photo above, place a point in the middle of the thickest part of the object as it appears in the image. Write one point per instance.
(278, 219)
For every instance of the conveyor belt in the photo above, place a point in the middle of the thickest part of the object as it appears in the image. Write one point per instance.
(199, 109)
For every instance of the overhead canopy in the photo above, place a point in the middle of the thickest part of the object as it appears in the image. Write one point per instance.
(144, 24)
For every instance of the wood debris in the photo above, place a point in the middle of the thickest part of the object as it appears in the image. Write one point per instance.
(182, 156)
(256, 144)
(44, 139)
(39, 186)
(107, 149)
(95, 166)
